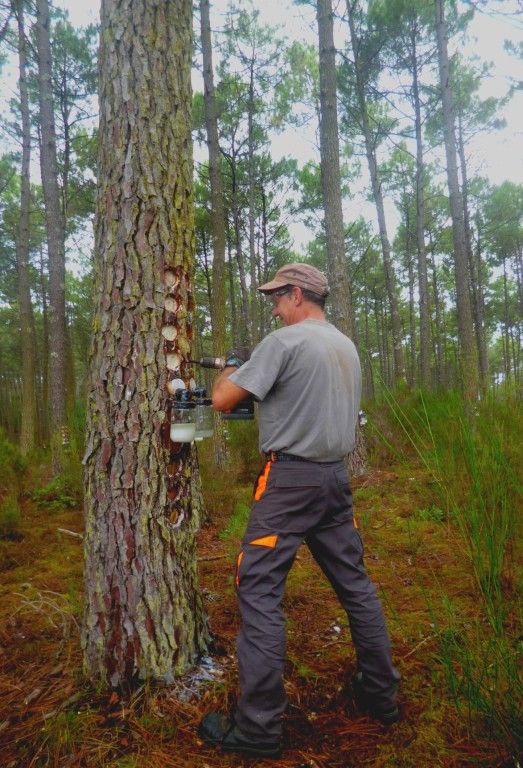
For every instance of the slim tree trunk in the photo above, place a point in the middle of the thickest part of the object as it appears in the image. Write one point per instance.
(384, 332)
(519, 274)
(437, 335)
(235, 334)
(479, 298)
(468, 357)
(368, 381)
(424, 309)
(506, 323)
(412, 314)
(44, 406)
(479, 325)
(28, 346)
(265, 318)
(245, 332)
(255, 330)
(341, 295)
(390, 278)
(55, 237)
(217, 303)
(143, 611)
(341, 292)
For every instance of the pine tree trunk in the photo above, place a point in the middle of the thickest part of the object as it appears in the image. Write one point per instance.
(341, 297)
(390, 278)
(143, 615)
(44, 406)
(437, 321)
(55, 238)
(341, 292)
(27, 336)
(412, 315)
(468, 357)
(506, 323)
(255, 326)
(245, 331)
(217, 303)
(235, 333)
(423, 283)
(479, 324)
(368, 381)
(265, 318)
(519, 274)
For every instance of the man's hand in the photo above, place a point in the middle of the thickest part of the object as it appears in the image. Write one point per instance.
(237, 357)
(225, 394)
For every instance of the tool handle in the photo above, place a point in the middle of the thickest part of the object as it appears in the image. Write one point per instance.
(210, 362)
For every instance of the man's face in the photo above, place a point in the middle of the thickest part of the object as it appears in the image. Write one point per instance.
(284, 305)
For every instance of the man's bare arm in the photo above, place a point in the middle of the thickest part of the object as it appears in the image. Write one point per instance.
(225, 394)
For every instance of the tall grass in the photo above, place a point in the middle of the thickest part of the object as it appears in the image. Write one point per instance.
(474, 459)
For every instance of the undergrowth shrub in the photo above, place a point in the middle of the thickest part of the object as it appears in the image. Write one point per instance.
(9, 517)
(13, 467)
(12, 463)
(473, 456)
(60, 493)
(66, 489)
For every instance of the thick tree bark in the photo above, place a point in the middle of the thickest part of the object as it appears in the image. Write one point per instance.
(55, 236)
(27, 336)
(143, 614)
(217, 303)
(468, 351)
(341, 295)
(390, 278)
(423, 284)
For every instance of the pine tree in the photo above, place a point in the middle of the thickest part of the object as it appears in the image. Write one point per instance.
(143, 614)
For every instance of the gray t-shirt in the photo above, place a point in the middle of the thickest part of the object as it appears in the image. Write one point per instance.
(307, 377)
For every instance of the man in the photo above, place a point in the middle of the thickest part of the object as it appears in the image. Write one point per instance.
(307, 379)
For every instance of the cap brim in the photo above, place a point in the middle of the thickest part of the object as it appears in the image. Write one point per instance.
(273, 285)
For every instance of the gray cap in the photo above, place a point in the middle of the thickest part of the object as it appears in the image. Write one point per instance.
(303, 275)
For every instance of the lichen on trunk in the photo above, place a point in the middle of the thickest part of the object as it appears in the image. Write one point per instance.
(144, 616)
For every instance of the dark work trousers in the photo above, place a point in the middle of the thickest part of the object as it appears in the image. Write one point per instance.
(297, 501)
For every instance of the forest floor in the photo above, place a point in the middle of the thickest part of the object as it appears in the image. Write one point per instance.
(49, 716)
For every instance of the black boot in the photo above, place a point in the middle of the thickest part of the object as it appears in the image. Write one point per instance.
(366, 704)
(219, 730)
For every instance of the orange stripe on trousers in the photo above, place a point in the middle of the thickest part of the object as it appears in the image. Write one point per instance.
(262, 482)
(265, 541)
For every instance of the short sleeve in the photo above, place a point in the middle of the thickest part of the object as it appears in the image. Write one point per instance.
(259, 374)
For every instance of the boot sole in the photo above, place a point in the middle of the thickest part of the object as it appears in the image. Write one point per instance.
(275, 752)
(246, 749)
